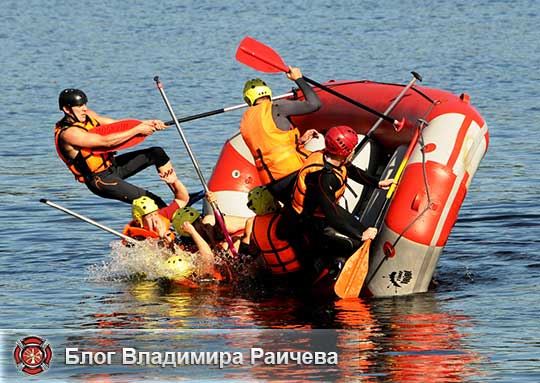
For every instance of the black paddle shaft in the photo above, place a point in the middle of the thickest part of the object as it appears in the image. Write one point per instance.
(354, 102)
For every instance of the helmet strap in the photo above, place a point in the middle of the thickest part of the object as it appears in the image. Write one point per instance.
(71, 114)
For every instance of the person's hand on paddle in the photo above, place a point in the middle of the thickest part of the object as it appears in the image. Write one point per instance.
(307, 136)
(146, 128)
(159, 125)
(385, 184)
(369, 233)
(211, 197)
(294, 73)
(156, 124)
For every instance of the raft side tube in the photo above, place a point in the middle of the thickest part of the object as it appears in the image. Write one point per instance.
(233, 177)
(419, 220)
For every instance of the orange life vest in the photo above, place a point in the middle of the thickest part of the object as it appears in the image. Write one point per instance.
(314, 163)
(276, 152)
(278, 254)
(85, 162)
(140, 233)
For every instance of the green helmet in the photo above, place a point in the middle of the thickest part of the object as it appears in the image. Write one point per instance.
(142, 206)
(187, 214)
(177, 267)
(261, 201)
(255, 89)
(71, 97)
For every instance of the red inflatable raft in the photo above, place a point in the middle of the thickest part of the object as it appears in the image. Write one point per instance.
(441, 145)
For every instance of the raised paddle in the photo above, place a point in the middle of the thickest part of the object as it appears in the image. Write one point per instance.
(263, 58)
(217, 212)
(222, 110)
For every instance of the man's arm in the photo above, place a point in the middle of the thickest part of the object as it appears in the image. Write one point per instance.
(283, 109)
(181, 195)
(364, 178)
(206, 253)
(361, 176)
(80, 138)
(325, 184)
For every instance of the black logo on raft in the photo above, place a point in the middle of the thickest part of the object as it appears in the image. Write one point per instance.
(399, 278)
(32, 355)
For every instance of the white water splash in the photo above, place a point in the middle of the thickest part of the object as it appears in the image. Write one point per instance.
(144, 260)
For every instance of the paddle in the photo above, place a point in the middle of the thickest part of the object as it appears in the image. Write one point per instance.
(88, 220)
(222, 110)
(351, 279)
(406, 157)
(352, 276)
(115, 127)
(217, 214)
(263, 58)
(391, 107)
(193, 197)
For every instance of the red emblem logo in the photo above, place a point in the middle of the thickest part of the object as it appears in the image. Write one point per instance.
(32, 355)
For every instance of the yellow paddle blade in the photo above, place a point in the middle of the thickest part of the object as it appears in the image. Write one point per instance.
(351, 279)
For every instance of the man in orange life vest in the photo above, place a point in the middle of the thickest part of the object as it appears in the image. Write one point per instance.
(314, 211)
(104, 174)
(273, 141)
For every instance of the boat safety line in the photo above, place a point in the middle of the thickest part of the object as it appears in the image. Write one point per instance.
(423, 124)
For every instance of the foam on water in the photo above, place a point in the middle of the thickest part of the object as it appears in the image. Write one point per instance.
(144, 260)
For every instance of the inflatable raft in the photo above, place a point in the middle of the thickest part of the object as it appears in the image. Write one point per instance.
(441, 145)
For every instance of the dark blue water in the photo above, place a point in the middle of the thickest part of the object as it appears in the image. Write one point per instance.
(479, 322)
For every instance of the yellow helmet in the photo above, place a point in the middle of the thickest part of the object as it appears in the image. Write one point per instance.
(261, 201)
(142, 206)
(255, 89)
(177, 267)
(187, 214)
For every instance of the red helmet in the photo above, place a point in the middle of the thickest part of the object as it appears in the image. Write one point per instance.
(340, 140)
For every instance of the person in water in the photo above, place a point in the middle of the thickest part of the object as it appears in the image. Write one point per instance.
(150, 221)
(273, 141)
(314, 212)
(189, 223)
(104, 174)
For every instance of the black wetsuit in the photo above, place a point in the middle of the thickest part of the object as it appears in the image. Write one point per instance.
(282, 110)
(111, 183)
(318, 236)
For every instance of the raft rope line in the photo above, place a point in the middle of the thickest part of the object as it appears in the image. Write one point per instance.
(421, 127)
(423, 124)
